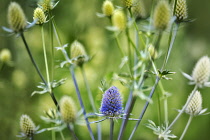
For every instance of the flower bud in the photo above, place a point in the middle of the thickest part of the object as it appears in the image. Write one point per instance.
(181, 10)
(111, 104)
(152, 51)
(16, 17)
(39, 16)
(46, 5)
(138, 9)
(195, 105)
(67, 109)
(78, 53)
(27, 126)
(201, 71)
(128, 3)
(162, 15)
(119, 20)
(5, 55)
(108, 8)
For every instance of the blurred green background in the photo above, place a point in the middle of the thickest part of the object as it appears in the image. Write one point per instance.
(78, 20)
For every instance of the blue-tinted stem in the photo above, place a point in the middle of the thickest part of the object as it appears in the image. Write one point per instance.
(111, 128)
(71, 68)
(72, 132)
(90, 95)
(145, 107)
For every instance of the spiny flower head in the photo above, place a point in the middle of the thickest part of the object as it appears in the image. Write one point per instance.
(201, 71)
(27, 126)
(111, 104)
(162, 15)
(108, 8)
(138, 9)
(46, 5)
(181, 10)
(128, 3)
(68, 110)
(195, 105)
(119, 20)
(78, 53)
(5, 55)
(16, 17)
(39, 16)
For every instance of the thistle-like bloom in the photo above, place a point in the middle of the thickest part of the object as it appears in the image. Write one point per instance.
(5, 55)
(78, 53)
(46, 5)
(128, 3)
(181, 10)
(201, 73)
(111, 104)
(108, 8)
(119, 20)
(16, 17)
(195, 105)
(68, 110)
(27, 126)
(39, 16)
(162, 15)
(138, 9)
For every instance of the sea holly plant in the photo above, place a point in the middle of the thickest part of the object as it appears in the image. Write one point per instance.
(139, 33)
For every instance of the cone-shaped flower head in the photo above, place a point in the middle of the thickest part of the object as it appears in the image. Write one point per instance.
(108, 8)
(68, 110)
(181, 10)
(46, 5)
(78, 53)
(39, 16)
(201, 71)
(138, 9)
(119, 20)
(16, 17)
(27, 126)
(195, 105)
(5, 55)
(111, 104)
(128, 3)
(162, 15)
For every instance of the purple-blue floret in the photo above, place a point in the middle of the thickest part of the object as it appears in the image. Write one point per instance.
(111, 103)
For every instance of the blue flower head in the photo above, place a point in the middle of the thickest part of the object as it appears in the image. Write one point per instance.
(111, 103)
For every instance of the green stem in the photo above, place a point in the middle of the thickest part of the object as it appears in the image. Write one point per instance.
(186, 127)
(159, 108)
(45, 58)
(90, 95)
(62, 136)
(111, 128)
(183, 109)
(53, 135)
(129, 51)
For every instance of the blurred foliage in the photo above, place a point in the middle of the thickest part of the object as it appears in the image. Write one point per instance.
(78, 20)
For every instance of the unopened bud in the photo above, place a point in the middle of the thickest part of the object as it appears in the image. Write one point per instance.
(27, 126)
(181, 10)
(5, 55)
(108, 8)
(119, 20)
(39, 16)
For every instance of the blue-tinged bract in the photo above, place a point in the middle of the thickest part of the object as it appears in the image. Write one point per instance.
(111, 103)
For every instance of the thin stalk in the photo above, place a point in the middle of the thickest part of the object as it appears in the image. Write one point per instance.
(129, 51)
(45, 58)
(90, 95)
(53, 135)
(111, 128)
(186, 127)
(1, 65)
(62, 136)
(165, 103)
(72, 132)
(37, 69)
(52, 45)
(71, 68)
(145, 107)
(171, 40)
(183, 109)
(159, 109)
(32, 59)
